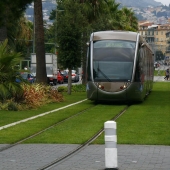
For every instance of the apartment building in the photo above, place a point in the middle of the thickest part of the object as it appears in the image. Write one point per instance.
(168, 48)
(156, 36)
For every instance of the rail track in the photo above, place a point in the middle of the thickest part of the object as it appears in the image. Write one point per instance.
(82, 146)
(44, 130)
(57, 161)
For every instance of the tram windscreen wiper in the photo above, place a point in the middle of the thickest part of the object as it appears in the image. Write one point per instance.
(104, 75)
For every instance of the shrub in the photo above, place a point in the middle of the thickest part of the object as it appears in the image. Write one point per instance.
(34, 95)
(8, 73)
(75, 88)
(79, 88)
(62, 88)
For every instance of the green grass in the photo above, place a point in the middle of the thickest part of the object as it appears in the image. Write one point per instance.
(7, 117)
(159, 72)
(79, 129)
(72, 131)
(147, 123)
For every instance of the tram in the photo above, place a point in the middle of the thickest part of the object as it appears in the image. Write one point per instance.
(120, 67)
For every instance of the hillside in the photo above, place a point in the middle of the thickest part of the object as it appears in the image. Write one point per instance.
(138, 3)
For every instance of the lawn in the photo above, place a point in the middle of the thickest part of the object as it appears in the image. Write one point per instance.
(8, 117)
(146, 123)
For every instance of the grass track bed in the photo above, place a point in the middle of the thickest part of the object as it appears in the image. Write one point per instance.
(7, 117)
(80, 128)
(146, 123)
(18, 132)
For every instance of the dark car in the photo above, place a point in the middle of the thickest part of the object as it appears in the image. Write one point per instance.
(29, 77)
(75, 77)
(65, 75)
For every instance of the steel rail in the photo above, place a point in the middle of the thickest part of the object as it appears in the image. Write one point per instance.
(82, 146)
(38, 133)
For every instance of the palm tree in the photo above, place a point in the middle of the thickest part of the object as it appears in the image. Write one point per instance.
(129, 21)
(41, 75)
(8, 73)
(10, 12)
(23, 36)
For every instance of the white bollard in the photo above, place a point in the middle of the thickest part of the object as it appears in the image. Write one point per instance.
(110, 145)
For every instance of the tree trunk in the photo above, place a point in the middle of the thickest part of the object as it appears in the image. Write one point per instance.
(41, 75)
(3, 33)
(69, 81)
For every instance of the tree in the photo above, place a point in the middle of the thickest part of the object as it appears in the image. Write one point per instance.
(69, 34)
(129, 20)
(41, 75)
(99, 15)
(9, 13)
(23, 35)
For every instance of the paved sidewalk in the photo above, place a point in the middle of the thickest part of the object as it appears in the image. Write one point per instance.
(130, 157)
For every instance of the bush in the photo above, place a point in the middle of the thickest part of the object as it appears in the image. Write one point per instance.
(75, 88)
(62, 89)
(34, 95)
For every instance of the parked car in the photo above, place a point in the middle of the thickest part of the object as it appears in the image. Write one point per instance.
(75, 77)
(60, 77)
(156, 64)
(26, 77)
(65, 75)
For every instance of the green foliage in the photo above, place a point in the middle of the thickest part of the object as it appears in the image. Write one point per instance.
(79, 88)
(34, 96)
(75, 88)
(10, 13)
(69, 34)
(62, 88)
(8, 73)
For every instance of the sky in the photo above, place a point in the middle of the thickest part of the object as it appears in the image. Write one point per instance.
(164, 2)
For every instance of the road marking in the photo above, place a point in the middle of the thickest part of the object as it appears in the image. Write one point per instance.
(40, 115)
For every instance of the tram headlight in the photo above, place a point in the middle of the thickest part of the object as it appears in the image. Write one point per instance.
(100, 86)
(124, 86)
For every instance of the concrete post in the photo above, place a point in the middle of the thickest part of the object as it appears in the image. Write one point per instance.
(110, 145)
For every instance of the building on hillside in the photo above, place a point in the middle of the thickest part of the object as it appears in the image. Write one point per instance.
(155, 35)
(167, 58)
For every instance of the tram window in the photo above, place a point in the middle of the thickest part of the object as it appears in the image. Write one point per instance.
(114, 54)
(113, 60)
(114, 50)
(114, 43)
(112, 71)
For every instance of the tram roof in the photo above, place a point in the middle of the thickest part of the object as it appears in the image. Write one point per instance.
(120, 35)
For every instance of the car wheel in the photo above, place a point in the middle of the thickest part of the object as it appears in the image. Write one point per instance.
(55, 82)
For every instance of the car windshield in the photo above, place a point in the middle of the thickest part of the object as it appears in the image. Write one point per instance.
(24, 76)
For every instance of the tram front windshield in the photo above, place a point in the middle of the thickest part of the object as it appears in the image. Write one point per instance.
(113, 60)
